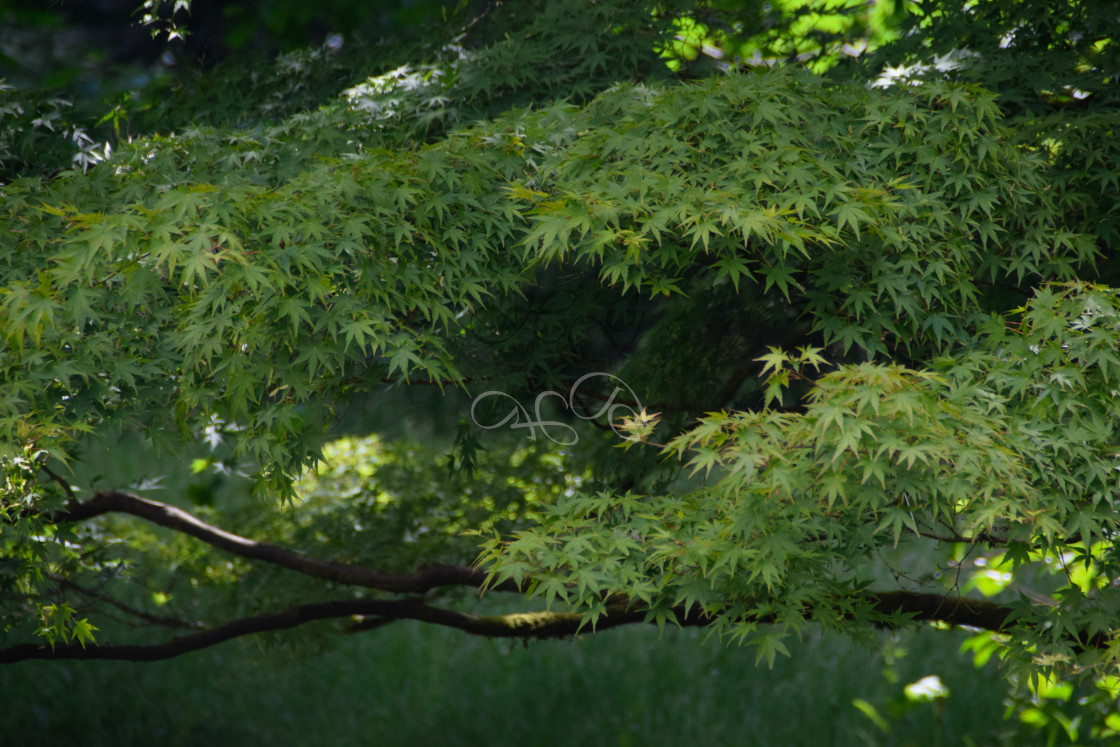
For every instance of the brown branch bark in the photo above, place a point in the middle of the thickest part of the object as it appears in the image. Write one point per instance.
(891, 606)
(165, 515)
(524, 625)
(955, 611)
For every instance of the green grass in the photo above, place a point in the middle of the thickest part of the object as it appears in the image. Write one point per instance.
(412, 685)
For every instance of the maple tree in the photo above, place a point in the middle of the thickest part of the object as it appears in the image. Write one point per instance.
(727, 350)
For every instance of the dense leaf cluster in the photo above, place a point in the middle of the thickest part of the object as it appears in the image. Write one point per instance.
(801, 504)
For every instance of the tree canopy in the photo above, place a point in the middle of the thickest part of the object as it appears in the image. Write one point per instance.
(613, 304)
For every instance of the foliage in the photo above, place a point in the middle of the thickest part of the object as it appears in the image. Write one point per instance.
(38, 134)
(804, 503)
(1054, 67)
(864, 340)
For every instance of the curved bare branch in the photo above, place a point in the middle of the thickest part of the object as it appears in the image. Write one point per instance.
(372, 613)
(165, 515)
(517, 625)
(892, 607)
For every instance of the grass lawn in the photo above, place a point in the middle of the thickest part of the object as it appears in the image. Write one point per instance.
(414, 685)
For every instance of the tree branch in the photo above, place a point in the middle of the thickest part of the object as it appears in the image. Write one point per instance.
(894, 607)
(903, 605)
(518, 625)
(165, 515)
(100, 597)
